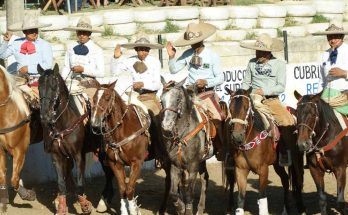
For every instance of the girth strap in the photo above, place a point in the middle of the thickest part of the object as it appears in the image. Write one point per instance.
(9, 129)
(193, 133)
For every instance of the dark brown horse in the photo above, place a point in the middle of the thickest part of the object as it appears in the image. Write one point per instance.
(66, 137)
(14, 136)
(125, 132)
(320, 135)
(252, 149)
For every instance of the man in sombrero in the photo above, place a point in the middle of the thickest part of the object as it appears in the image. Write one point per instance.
(28, 51)
(266, 75)
(145, 71)
(84, 60)
(203, 64)
(334, 68)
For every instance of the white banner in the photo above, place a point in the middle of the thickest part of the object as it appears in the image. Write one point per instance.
(305, 78)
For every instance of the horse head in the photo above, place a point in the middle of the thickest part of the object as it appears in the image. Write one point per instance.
(52, 91)
(175, 99)
(103, 101)
(307, 119)
(241, 113)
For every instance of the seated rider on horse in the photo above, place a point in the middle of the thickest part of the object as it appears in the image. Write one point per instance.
(84, 61)
(29, 51)
(145, 73)
(334, 67)
(267, 77)
(203, 66)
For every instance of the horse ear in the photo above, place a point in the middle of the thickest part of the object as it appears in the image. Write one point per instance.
(112, 85)
(228, 90)
(249, 90)
(56, 68)
(181, 83)
(40, 69)
(297, 95)
(163, 81)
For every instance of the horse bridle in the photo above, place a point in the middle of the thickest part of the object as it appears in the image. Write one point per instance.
(311, 129)
(249, 111)
(110, 107)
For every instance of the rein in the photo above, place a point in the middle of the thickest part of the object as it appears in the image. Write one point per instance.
(20, 124)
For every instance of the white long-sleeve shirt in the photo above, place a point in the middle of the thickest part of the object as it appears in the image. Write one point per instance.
(340, 84)
(151, 77)
(93, 62)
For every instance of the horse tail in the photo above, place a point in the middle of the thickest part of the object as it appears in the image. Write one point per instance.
(296, 171)
(228, 176)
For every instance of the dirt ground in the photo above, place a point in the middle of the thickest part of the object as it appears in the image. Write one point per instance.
(150, 190)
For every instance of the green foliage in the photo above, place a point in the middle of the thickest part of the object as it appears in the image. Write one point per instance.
(249, 2)
(107, 31)
(289, 22)
(170, 28)
(250, 36)
(279, 33)
(231, 27)
(320, 19)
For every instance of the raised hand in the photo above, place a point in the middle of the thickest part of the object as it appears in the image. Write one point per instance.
(7, 36)
(170, 50)
(117, 51)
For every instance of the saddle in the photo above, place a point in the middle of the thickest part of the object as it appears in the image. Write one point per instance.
(28, 85)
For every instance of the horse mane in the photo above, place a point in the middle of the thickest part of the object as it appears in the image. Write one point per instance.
(189, 102)
(258, 123)
(17, 95)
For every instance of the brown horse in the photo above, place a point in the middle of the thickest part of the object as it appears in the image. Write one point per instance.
(14, 136)
(320, 135)
(125, 132)
(66, 137)
(252, 149)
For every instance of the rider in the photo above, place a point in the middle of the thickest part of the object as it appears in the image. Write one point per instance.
(84, 60)
(203, 65)
(29, 51)
(334, 68)
(267, 77)
(146, 78)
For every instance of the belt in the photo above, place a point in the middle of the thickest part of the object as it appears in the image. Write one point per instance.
(205, 89)
(145, 91)
(272, 97)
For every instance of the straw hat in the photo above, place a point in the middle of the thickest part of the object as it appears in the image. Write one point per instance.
(29, 22)
(84, 24)
(195, 33)
(142, 41)
(335, 27)
(265, 43)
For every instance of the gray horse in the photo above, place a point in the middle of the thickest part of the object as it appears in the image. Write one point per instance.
(186, 146)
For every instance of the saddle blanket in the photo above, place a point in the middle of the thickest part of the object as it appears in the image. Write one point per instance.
(341, 120)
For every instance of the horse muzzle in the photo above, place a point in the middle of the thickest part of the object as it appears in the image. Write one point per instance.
(238, 137)
(168, 126)
(305, 145)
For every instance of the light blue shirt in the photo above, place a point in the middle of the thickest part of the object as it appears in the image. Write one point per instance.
(42, 56)
(209, 71)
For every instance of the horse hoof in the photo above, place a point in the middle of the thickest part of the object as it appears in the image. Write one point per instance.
(86, 206)
(25, 194)
(60, 204)
(102, 206)
(3, 208)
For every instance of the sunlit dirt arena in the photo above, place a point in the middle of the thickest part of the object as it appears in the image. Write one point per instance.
(150, 189)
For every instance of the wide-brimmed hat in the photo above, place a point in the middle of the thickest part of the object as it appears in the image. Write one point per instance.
(29, 22)
(84, 24)
(335, 27)
(264, 43)
(195, 33)
(142, 41)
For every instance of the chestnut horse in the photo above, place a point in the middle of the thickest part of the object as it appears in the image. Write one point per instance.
(252, 149)
(14, 136)
(321, 136)
(66, 137)
(127, 139)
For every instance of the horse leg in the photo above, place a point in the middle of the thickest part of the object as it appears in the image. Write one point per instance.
(284, 177)
(296, 173)
(60, 164)
(230, 180)
(263, 180)
(166, 166)
(86, 206)
(108, 191)
(241, 176)
(3, 188)
(204, 176)
(119, 172)
(18, 161)
(133, 177)
(189, 192)
(318, 177)
(340, 174)
(175, 176)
